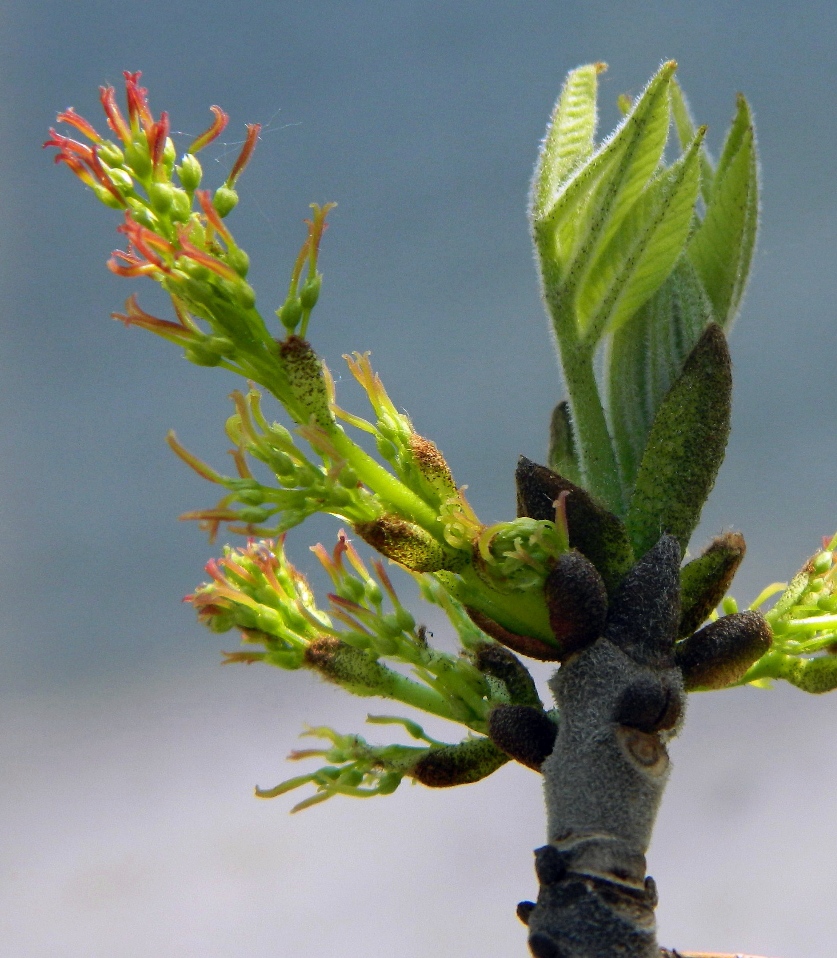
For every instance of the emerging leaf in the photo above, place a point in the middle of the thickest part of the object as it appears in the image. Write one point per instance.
(592, 203)
(569, 136)
(685, 447)
(642, 251)
(722, 247)
(646, 356)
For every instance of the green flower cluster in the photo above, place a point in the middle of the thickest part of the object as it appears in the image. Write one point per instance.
(803, 621)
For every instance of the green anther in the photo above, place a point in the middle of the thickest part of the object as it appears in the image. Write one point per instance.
(225, 200)
(161, 196)
(189, 172)
(137, 158)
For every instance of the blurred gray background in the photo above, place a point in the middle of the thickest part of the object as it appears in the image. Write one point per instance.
(127, 756)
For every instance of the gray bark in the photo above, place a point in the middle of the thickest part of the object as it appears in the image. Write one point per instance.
(619, 701)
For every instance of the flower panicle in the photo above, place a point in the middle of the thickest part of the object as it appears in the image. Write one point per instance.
(803, 621)
(174, 231)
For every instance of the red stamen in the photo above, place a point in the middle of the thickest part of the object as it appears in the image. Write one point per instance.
(190, 251)
(134, 315)
(137, 98)
(65, 146)
(157, 139)
(116, 121)
(77, 167)
(214, 131)
(101, 175)
(135, 267)
(83, 126)
(253, 130)
(204, 197)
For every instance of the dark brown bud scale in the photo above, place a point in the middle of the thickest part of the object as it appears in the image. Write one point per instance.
(577, 602)
(594, 531)
(498, 662)
(720, 653)
(524, 733)
(522, 644)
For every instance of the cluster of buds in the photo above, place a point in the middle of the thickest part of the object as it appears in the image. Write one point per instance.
(176, 235)
(485, 688)
(360, 770)
(258, 591)
(803, 621)
(409, 508)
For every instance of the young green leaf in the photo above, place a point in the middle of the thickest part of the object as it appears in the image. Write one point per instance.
(722, 247)
(640, 255)
(684, 124)
(569, 136)
(594, 200)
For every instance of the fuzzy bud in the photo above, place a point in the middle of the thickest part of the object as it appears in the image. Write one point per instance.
(408, 544)
(225, 200)
(705, 580)
(577, 602)
(523, 732)
(722, 651)
(461, 764)
(307, 381)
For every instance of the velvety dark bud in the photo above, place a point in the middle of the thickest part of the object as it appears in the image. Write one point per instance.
(651, 891)
(306, 378)
(498, 662)
(543, 945)
(522, 644)
(722, 651)
(524, 910)
(523, 732)
(550, 865)
(562, 456)
(593, 530)
(646, 704)
(461, 764)
(644, 612)
(706, 580)
(409, 544)
(685, 447)
(577, 602)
